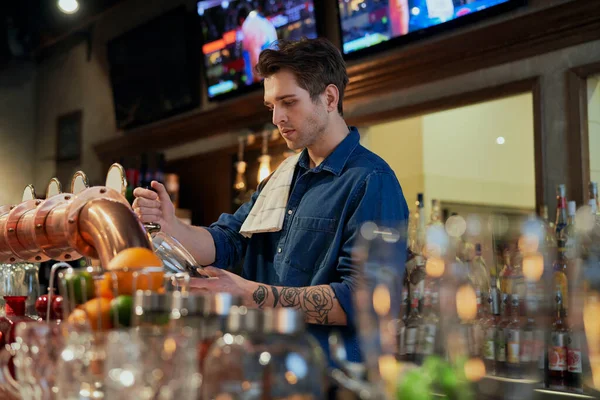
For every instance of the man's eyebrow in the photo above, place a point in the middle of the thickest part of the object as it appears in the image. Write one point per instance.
(279, 98)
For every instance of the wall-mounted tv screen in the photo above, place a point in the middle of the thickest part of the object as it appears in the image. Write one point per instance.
(154, 69)
(368, 23)
(235, 32)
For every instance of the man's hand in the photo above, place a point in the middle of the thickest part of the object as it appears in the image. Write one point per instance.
(224, 281)
(155, 207)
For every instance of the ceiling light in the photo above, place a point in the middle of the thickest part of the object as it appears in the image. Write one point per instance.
(68, 6)
(500, 140)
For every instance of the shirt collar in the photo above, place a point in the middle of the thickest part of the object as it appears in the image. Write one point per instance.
(335, 161)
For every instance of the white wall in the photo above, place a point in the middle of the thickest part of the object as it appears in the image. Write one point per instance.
(17, 132)
(453, 155)
(463, 163)
(594, 126)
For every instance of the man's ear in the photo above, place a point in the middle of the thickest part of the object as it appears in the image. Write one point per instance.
(332, 97)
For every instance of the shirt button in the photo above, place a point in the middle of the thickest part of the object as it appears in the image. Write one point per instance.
(279, 250)
(290, 212)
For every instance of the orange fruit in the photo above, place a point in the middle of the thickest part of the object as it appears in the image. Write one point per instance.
(104, 288)
(134, 257)
(96, 312)
(129, 279)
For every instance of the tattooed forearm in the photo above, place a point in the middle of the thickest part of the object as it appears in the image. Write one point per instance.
(316, 302)
(260, 295)
(275, 295)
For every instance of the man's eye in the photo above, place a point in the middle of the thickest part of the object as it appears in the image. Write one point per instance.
(289, 103)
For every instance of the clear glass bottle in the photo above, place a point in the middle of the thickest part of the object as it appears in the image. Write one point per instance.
(559, 275)
(479, 274)
(490, 326)
(205, 313)
(513, 340)
(264, 355)
(428, 333)
(561, 213)
(413, 322)
(501, 336)
(557, 349)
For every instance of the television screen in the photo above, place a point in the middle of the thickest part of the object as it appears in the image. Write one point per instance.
(367, 23)
(235, 32)
(154, 70)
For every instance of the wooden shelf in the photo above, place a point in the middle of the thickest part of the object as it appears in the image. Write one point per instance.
(523, 36)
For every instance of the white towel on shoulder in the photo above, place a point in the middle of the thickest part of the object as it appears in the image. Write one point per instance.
(268, 212)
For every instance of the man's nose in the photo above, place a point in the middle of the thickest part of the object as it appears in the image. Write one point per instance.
(279, 116)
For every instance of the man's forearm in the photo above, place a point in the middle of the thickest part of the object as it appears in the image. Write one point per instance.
(319, 304)
(197, 240)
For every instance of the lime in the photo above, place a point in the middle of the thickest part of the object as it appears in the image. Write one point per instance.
(432, 366)
(78, 284)
(448, 381)
(414, 386)
(123, 307)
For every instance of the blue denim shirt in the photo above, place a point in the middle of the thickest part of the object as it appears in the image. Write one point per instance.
(326, 207)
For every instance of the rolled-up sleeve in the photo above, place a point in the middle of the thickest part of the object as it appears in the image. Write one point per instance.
(378, 199)
(230, 245)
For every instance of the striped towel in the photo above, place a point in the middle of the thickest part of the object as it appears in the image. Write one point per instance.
(268, 211)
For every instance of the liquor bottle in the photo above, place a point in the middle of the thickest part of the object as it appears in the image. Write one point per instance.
(413, 322)
(561, 213)
(559, 275)
(517, 277)
(506, 273)
(574, 361)
(557, 349)
(428, 330)
(402, 324)
(478, 327)
(416, 265)
(490, 325)
(436, 214)
(548, 229)
(14, 313)
(571, 234)
(479, 274)
(501, 336)
(532, 341)
(593, 199)
(513, 340)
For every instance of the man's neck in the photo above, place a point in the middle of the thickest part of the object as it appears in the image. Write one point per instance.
(332, 137)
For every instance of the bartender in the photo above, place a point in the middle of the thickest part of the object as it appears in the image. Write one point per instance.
(296, 233)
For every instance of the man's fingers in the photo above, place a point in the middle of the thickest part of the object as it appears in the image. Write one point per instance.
(201, 283)
(210, 271)
(151, 219)
(141, 202)
(161, 191)
(145, 193)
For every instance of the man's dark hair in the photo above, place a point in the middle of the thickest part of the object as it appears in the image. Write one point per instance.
(316, 63)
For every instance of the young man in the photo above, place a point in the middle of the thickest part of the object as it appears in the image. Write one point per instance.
(317, 200)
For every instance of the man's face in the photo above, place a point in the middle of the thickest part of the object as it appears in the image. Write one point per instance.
(300, 120)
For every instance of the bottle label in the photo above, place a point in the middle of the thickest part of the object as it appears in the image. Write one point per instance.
(573, 355)
(574, 361)
(513, 346)
(527, 347)
(402, 340)
(427, 339)
(500, 346)
(538, 348)
(411, 340)
(489, 350)
(557, 352)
